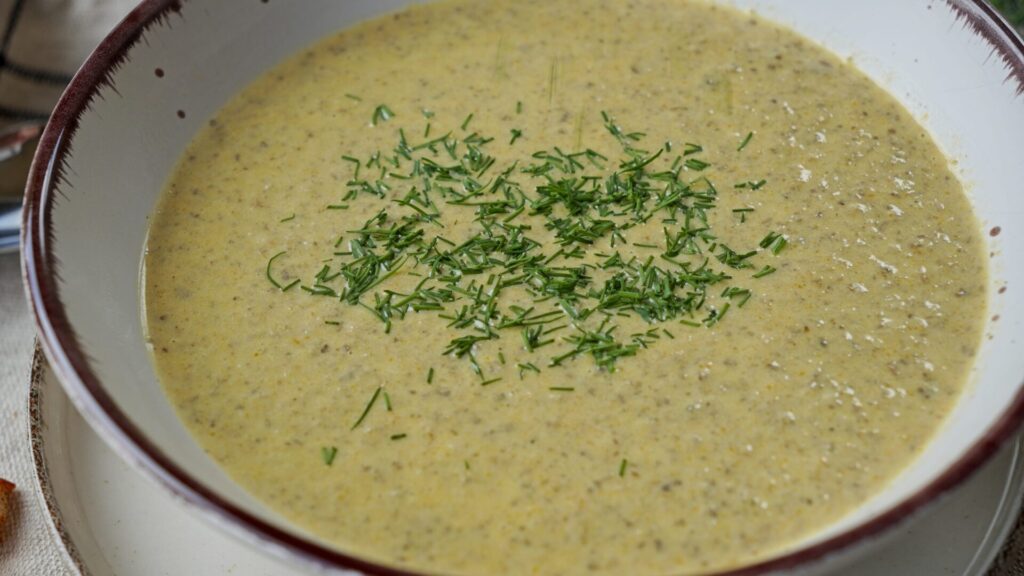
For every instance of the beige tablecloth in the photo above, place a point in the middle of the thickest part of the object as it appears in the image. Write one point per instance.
(26, 548)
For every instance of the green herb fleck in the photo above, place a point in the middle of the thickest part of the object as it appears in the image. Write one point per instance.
(690, 148)
(774, 242)
(381, 114)
(527, 367)
(553, 80)
(743, 213)
(751, 184)
(270, 276)
(695, 164)
(369, 405)
(746, 140)
(327, 453)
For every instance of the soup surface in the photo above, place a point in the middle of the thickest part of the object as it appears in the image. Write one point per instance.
(564, 287)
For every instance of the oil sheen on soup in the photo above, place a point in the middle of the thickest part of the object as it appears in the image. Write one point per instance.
(563, 287)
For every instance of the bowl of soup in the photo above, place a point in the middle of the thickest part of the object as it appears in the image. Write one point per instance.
(561, 287)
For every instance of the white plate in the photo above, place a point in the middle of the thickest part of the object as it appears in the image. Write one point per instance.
(111, 521)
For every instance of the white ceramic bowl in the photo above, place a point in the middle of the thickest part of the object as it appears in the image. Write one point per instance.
(149, 87)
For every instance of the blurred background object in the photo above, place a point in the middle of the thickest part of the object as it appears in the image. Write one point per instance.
(42, 44)
(1013, 10)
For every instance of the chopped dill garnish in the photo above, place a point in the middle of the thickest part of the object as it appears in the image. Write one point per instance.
(716, 315)
(288, 218)
(328, 453)
(357, 163)
(733, 292)
(553, 80)
(746, 140)
(742, 213)
(751, 184)
(774, 242)
(527, 367)
(622, 467)
(695, 164)
(399, 436)
(332, 322)
(369, 405)
(270, 276)
(381, 114)
(569, 295)
(387, 401)
(353, 97)
(561, 388)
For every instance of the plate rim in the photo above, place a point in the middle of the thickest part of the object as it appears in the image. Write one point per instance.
(45, 496)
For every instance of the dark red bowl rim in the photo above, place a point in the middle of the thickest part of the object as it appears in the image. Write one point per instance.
(71, 362)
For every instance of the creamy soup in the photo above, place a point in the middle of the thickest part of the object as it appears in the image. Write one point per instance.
(564, 287)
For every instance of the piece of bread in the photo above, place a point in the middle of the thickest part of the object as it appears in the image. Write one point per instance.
(5, 500)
